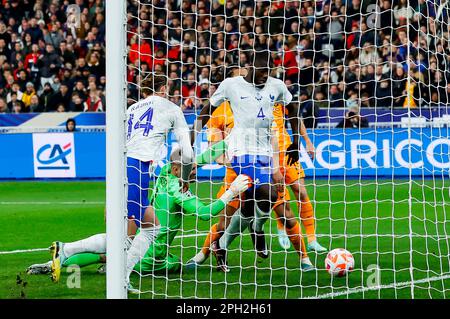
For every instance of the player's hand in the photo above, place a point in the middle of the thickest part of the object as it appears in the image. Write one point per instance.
(278, 180)
(185, 187)
(292, 154)
(310, 149)
(240, 184)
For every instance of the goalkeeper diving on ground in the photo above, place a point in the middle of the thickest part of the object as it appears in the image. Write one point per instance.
(171, 201)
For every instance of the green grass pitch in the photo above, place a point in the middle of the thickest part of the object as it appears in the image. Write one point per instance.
(369, 218)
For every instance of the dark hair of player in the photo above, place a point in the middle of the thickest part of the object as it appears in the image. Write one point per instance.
(153, 83)
(262, 58)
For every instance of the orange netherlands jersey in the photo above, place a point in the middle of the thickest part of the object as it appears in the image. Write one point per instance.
(220, 123)
(284, 140)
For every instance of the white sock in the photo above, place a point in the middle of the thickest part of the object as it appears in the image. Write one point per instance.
(139, 246)
(199, 257)
(236, 227)
(94, 244)
(260, 218)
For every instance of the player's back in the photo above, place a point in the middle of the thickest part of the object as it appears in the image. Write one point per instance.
(148, 123)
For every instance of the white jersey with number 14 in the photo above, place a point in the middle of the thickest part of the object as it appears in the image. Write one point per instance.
(148, 123)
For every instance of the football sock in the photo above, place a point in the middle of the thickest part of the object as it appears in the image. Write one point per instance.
(237, 225)
(139, 246)
(93, 244)
(82, 260)
(280, 224)
(260, 218)
(296, 238)
(308, 221)
(212, 236)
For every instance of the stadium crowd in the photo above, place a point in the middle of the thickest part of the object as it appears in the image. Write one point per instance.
(331, 53)
(46, 65)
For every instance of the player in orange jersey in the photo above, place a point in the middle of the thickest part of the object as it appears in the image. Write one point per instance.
(294, 175)
(219, 125)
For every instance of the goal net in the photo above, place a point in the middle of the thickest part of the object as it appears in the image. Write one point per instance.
(371, 80)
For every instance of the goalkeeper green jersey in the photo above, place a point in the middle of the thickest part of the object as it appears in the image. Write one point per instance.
(171, 206)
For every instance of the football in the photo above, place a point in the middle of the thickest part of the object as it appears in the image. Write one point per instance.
(339, 262)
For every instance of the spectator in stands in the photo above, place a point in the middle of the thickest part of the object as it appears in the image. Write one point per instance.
(46, 96)
(13, 100)
(37, 46)
(30, 62)
(71, 125)
(77, 104)
(54, 37)
(336, 97)
(35, 105)
(93, 103)
(27, 95)
(15, 90)
(309, 109)
(61, 97)
(3, 106)
(383, 93)
(16, 107)
(353, 120)
(49, 64)
(60, 108)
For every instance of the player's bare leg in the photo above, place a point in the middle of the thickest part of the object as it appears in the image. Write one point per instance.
(253, 215)
(293, 230)
(306, 214)
(214, 234)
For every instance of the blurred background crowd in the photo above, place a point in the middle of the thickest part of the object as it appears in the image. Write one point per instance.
(330, 53)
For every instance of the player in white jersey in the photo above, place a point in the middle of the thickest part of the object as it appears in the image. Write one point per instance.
(148, 123)
(252, 99)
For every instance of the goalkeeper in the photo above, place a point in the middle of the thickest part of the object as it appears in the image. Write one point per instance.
(170, 201)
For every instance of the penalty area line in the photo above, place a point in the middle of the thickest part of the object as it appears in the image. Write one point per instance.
(379, 287)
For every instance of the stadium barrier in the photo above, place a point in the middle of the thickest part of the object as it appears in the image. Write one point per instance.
(384, 153)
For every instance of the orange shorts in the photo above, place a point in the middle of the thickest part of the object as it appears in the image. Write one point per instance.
(282, 197)
(231, 175)
(292, 173)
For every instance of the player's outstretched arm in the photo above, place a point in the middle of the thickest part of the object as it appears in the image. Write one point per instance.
(212, 153)
(201, 120)
(219, 96)
(292, 151)
(181, 130)
(191, 204)
(309, 145)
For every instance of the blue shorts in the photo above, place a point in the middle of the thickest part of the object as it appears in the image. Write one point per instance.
(257, 167)
(138, 176)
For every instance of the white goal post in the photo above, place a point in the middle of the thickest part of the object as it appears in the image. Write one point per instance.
(115, 149)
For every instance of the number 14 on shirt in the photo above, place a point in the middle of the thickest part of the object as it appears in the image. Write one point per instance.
(145, 122)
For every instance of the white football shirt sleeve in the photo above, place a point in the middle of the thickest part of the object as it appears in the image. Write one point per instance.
(220, 95)
(183, 136)
(285, 96)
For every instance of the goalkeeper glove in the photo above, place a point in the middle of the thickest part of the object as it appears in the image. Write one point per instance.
(239, 185)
